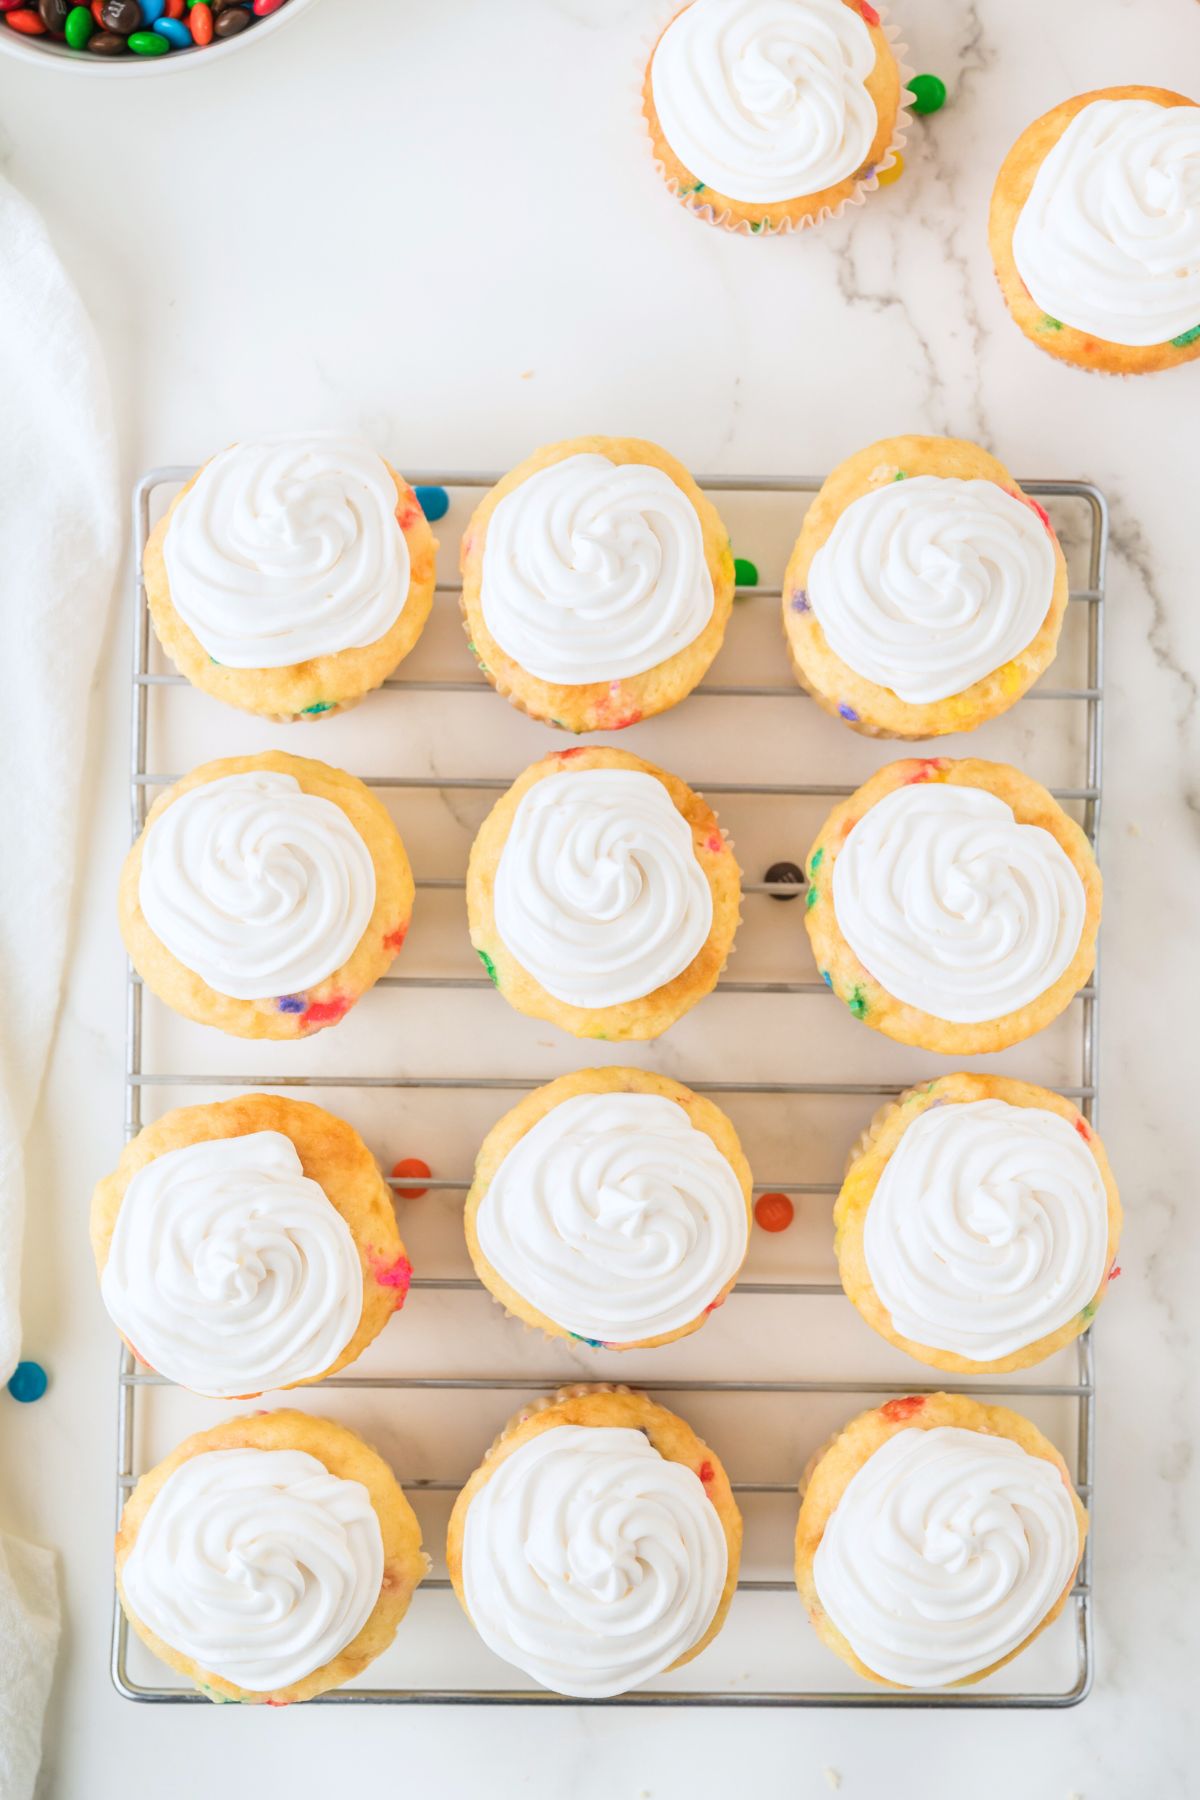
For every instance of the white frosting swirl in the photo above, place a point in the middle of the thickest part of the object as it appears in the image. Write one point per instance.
(1109, 238)
(946, 1550)
(259, 1565)
(988, 1228)
(288, 548)
(955, 907)
(594, 570)
(598, 892)
(766, 100)
(229, 1269)
(257, 886)
(616, 1217)
(928, 584)
(590, 1561)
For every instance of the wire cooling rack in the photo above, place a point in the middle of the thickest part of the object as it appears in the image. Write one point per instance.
(1072, 724)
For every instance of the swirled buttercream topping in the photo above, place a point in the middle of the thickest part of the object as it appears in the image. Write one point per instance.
(255, 885)
(954, 906)
(259, 1565)
(946, 1550)
(988, 1228)
(929, 584)
(598, 893)
(229, 1268)
(594, 571)
(616, 1217)
(288, 548)
(1109, 239)
(590, 1561)
(766, 100)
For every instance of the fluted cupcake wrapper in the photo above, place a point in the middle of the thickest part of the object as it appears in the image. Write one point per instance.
(706, 212)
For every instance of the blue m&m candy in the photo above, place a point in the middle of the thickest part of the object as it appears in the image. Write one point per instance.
(28, 1382)
(433, 501)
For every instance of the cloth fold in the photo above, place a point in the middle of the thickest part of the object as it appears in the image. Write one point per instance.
(28, 1642)
(59, 539)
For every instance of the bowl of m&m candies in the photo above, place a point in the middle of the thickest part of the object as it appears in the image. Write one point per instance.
(132, 37)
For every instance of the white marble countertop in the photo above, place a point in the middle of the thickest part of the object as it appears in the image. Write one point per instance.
(438, 223)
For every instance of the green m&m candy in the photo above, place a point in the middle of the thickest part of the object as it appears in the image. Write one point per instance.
(78, 27)
(928, 92)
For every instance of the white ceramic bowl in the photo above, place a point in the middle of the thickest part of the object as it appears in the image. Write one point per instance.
(51, 54)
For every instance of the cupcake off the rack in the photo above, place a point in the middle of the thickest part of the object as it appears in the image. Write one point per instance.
(767, 116)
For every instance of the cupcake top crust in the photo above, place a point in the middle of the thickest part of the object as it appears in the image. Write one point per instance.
(929, 583)
(954, 905)
(255, 885)
(230, 1269)
(595, 571)
(598, 892)
(766, 101)
(592, 1561)
(946, 1550)
(1108, 241)
(988, 1228)
(288, 548)
(616, 1217)
(259, 1565)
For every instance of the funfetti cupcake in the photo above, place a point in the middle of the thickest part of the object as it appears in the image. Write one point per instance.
(291, 574)
(611, 1206)
(978, 1222)
(269, 1559)
(1095, 230)
(937, 1538)
(248, 1244)
(597, 1544)
(265, 895)
(925, 593)
(953, 905)
(768, 115)
(597, 583)
(602, 895)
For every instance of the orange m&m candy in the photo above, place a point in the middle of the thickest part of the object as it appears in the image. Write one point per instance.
(411, 1165)
(774, 1212)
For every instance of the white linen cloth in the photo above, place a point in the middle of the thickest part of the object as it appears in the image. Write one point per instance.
(28, 1641)
(59, 540)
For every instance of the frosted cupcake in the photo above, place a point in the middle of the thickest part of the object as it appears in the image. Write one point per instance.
(597, 583)
(925, 593)
(611, 1206)
(977, 1225)
(269, 1559)
(597, 1544)
(291, 574)
(937, 1538)
(953, 905)
(602, 895)
(248, 1244)
(765, 115)
(1095, 230)
(265, 895)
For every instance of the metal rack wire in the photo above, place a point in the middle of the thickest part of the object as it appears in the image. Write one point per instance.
(133, 1381)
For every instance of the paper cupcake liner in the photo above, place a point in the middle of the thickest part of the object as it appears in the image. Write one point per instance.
(870, 1132)
(574, 1390)
(507, 692)
(592, 1345)
(708, 214)
(313, 718)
